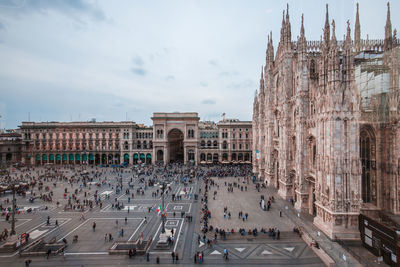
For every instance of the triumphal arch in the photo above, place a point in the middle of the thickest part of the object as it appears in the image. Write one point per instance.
(175, 137)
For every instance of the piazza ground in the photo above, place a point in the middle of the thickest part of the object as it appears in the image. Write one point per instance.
(92, 247)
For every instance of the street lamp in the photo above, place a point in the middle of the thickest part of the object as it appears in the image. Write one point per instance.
(162, 208)
(13, 211)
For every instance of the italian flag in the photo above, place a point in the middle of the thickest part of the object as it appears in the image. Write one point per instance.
(158, 210)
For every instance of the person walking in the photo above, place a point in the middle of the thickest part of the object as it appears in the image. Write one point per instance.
(176, 257)
(225, 254)
(94, 226)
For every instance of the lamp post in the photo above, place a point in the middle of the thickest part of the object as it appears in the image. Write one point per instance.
(13, 211)
(162, 208)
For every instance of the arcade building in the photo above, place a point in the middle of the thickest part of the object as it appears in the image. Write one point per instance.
(174, 137)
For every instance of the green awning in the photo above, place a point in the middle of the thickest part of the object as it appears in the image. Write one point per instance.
(58, 157)
(71, 157)
(142, 156)
(84, 157)
(78, 156)
(135, 156)
(65, 157)
(148, 156)
(37, 157)
(91, 157)
(44, 156)
(51, 157)
(126, 156)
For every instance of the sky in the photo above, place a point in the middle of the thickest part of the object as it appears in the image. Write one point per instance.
(75, 60)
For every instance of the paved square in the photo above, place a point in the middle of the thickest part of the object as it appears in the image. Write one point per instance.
(94, 241)
(245, 201)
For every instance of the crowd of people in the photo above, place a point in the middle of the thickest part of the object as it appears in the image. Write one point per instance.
(78, 195)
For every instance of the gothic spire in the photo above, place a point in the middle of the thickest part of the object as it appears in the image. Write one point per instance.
(388, 30)
(262, 72)
(283, 28)
(327, 27)
(357, 32)
(302, 45)
(348, 36)
(288, 26)
(270, 51)
(302, 26)
(287, 13)
(333, 40)
(262, 81)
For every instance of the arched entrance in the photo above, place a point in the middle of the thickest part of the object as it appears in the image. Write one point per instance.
(135, 158)
(191, 155)
(97, 159)
(91, 159)
(126, 158)
(148, 158)
(160, 155)
(175, 145)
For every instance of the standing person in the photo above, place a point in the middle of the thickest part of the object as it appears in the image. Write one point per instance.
(48, 253)
(176, 257)
(94, 226)
(225, 253)
(173, 257)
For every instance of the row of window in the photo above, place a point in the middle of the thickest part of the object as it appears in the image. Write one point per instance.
(209, 135)
(140, 145)
(77, 147)
(225, 145)
(69, 136)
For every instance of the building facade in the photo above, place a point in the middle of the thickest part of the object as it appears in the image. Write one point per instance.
(326, 124)
(10, 148)
(174, 137)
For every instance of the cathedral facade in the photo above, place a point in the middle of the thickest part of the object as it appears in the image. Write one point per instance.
(326, 124)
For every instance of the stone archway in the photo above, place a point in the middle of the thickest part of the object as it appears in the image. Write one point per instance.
(175, 145)
(160, 156)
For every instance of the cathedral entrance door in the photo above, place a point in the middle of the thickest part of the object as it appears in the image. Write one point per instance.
(175, 145)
